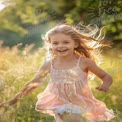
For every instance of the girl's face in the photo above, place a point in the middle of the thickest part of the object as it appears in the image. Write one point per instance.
(62, 45)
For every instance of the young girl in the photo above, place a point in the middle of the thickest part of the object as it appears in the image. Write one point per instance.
(67, 96)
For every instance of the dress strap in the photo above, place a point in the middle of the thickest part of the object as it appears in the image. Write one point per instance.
(52, 64)
(78, 61)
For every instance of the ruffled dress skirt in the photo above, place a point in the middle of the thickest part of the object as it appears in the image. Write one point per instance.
(54, 101)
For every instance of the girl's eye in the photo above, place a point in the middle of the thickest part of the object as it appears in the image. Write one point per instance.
(66, 42)
(55, 43)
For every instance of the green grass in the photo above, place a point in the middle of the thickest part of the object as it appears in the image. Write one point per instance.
(18, 67)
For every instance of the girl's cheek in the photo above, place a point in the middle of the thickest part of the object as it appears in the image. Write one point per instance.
(53, 47)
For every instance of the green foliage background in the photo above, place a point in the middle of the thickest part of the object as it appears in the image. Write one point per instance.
(24, 21)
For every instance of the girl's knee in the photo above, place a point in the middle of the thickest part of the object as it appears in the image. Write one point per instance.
(73, 118)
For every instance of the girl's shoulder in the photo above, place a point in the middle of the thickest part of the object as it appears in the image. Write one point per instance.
(46, 65)
(85, 62)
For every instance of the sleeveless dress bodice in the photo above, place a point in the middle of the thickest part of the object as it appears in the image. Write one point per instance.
(68, 76)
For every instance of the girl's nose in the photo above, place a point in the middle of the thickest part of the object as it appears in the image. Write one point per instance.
(60, 45)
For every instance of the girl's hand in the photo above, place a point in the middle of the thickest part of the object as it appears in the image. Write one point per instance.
(4, 104)
(103, 87)
(10, 102)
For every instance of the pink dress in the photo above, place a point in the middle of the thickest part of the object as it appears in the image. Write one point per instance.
(68, 91)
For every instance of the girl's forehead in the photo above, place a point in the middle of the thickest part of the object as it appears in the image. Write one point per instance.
(59, 36)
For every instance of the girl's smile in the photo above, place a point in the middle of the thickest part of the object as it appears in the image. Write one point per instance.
(62, 50)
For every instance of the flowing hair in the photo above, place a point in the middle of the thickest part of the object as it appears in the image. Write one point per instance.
(88, 38)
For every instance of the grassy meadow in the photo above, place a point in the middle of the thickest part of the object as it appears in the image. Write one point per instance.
(18, 67)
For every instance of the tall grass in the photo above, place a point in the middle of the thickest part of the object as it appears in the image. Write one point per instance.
(18, 67)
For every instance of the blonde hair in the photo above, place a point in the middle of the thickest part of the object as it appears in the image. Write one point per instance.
(88, 39)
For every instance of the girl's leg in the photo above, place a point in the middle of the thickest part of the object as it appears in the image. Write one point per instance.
(58, 117)
(72, 117)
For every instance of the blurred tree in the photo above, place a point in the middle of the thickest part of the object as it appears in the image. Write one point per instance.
(22, 16)
(25, 17)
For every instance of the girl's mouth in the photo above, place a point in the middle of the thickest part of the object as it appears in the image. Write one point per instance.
(62, 50)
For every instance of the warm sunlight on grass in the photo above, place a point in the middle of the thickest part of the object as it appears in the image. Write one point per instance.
(17, 67)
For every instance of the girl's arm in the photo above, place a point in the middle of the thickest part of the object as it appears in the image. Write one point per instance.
(30, 85)
(105, 77)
